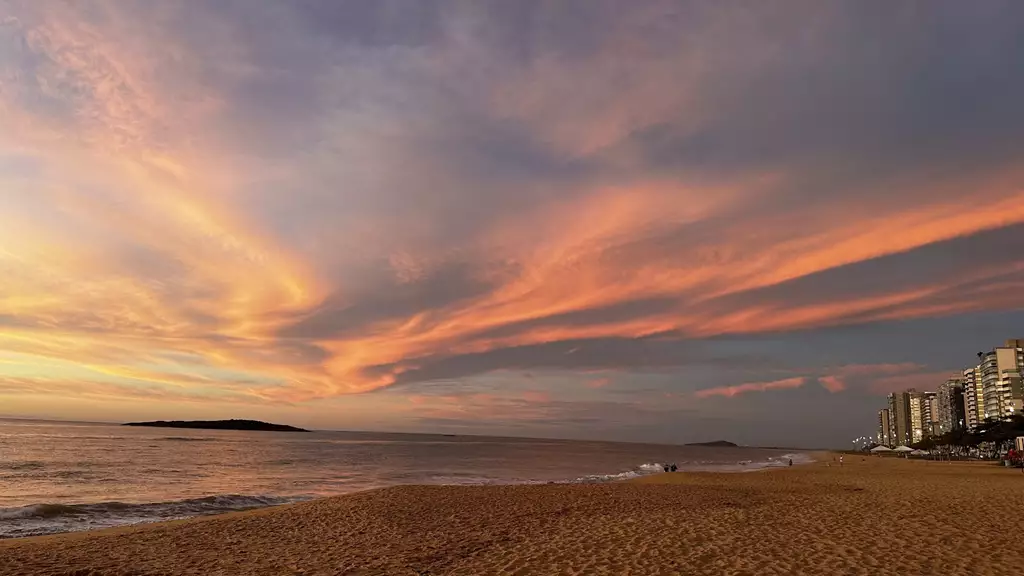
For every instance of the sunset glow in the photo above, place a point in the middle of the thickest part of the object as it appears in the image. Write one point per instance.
(499, 219)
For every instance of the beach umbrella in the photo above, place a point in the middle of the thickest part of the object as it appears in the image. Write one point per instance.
(878, 449)
(903, 449)
(918, 453)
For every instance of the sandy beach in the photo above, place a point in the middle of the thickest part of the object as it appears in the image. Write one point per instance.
(872, 516)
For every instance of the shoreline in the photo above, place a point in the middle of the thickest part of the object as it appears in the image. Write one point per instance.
(653, 477)
(357, 492)
(811, 519)
(197, 507)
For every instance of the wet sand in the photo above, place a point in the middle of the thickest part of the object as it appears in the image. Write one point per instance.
(876, 516)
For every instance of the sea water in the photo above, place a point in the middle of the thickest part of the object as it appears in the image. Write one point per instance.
(59, 477)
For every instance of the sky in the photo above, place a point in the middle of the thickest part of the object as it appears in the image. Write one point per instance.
(684, 221)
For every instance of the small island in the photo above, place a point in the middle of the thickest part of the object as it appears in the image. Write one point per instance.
(715, 444)
(219, 425)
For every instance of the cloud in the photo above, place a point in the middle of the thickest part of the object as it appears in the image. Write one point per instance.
(730, 391)
(538, 414)
(575, 355)
(872, 378)
(111, 392)
(832, 383)
(536, 396)
(921, 381)
(884, 378)
(389, 196)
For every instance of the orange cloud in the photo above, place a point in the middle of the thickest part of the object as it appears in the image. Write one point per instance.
(153, 224)
(41, 386)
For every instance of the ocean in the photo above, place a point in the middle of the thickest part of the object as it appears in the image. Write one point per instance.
(60, 477)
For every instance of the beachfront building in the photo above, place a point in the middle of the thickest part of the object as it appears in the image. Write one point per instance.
(950, 405)
(991, 389)
(930, 413)
(974, 404)
(924, 411)
(999, 371)
(1014, 382)
(912, 417)
(886, 434)
(899, 417)
(916, 420)
(988, 363)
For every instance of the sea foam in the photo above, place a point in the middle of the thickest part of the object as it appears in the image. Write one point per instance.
(49, 518)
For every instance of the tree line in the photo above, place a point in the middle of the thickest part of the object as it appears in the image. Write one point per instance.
(994, 436)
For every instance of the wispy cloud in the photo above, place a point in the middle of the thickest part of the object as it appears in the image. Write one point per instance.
(883, 378)
(736, 390)
(371, 198)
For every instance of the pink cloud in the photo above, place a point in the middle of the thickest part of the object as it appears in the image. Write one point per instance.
(730, 391)
(536, 396)
(919, 380)
(881, 378)
(577, 262)
(832, 384)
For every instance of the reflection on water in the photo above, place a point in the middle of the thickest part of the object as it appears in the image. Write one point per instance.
(47, 463)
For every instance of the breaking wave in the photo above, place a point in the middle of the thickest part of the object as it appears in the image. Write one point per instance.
(641, 470)
(48, 518)
(698, 466)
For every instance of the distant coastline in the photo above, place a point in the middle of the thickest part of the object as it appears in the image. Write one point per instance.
(218, 425)
(715, 444)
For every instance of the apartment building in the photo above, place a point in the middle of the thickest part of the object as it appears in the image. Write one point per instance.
(951, 405)
(899, 417)
(999, 371)
(991, 389)
(886, 434)
(974, 404)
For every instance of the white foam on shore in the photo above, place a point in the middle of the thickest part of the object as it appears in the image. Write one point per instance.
(641, 470)
(699, 466)
(50, 518)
